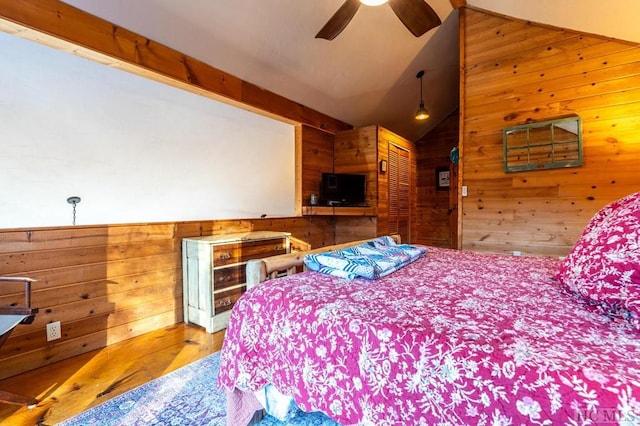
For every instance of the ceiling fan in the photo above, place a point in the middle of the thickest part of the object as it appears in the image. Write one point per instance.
(416, 15)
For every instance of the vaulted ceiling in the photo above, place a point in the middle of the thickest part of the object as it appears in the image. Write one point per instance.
(366, 75)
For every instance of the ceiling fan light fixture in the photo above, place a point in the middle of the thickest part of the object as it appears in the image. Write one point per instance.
(373, 2)
(416, 15)
(422, 113)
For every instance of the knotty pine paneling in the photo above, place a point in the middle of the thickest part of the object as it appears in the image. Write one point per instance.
(434, 213)
(360, 151)
(516, 72)
(356, 151)
(354, 228)
(110, 283)
(317, 158)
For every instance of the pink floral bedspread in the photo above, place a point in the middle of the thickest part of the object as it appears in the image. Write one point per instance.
(456, 337)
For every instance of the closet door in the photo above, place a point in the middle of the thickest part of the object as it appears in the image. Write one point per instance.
(399, 190)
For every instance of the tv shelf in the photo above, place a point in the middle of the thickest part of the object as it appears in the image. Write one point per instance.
(338, 211)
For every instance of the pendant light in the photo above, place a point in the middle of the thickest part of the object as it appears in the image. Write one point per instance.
(373, 2)
(422, 113)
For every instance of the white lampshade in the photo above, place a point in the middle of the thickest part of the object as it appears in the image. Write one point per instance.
(373, 2)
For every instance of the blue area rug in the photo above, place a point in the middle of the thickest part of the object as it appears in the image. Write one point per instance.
(187, 396)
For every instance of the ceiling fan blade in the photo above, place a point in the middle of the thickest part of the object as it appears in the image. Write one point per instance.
(416, 15)
(339, 20)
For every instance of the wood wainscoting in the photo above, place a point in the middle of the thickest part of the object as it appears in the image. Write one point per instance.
(106, 284)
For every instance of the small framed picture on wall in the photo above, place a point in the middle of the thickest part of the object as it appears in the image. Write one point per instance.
(442, 178)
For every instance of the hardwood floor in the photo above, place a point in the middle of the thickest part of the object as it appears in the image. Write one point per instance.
(69, 387)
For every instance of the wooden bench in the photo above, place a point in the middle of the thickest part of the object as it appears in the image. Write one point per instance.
(259, 270)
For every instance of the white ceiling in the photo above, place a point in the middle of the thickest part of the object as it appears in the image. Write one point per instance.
(367, 75)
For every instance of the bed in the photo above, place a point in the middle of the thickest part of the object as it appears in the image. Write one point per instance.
(454, 337)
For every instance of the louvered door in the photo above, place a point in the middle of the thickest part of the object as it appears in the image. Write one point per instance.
(399, 190)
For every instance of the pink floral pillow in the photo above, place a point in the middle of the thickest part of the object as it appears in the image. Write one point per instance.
(604, 265)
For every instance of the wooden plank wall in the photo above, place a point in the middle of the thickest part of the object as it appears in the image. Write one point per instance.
(356, 151)
(317, 158)
(359, 151)
(517, 72)
(433, 210)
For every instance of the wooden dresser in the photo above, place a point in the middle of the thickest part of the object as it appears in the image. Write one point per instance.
(214, 272)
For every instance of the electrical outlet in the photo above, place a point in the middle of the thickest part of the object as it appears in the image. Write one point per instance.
(53, 331)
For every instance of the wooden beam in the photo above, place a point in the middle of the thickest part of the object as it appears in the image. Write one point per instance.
(67, 28)
(15, 399)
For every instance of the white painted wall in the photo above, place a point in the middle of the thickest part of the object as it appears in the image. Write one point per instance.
(133, 149)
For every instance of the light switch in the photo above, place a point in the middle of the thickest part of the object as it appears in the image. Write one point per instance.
(464, 190)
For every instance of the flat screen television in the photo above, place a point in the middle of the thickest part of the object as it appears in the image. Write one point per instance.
(342, 189)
